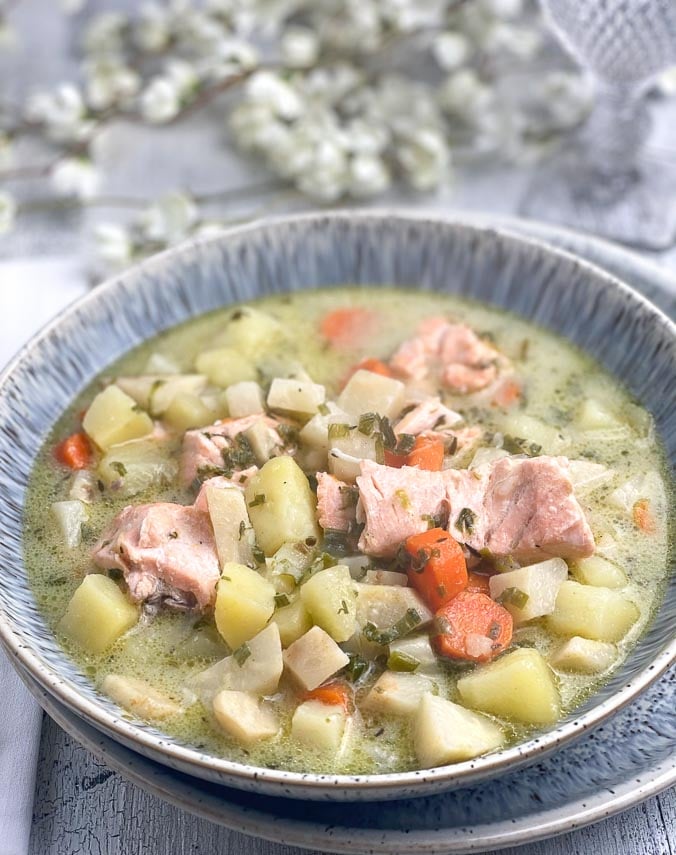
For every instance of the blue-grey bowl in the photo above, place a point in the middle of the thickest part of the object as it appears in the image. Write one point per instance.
(632, 338)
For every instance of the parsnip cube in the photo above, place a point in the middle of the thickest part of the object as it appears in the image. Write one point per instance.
(281, 505)
(257, 666)
(417, 647)
(292, 560)
(345, 467)
(139, 697)
(225, 366)
(584, 656)
(70, 515)
(251, 332)
(329, 597)
(593, 415)
(592, 612)
(315, 433)
(384, 605)
(243, 717)
(397, 693)
(244, 603)
(518, 424)
(600, 572)
(230, 520)
(244, 399)
(158, 363)
(292, 621)
(154, 392)
(131, 467)
(385, 577)
(295, 396)
(444, 732)
(98, 614)
(529, 592)
(187, 411)
(517, 686)
(320, 726)
(313, 658)
(366, 392)
(113, 417)
(264, 441)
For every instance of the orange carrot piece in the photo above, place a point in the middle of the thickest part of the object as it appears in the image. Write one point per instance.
(438, 569)
(349, 327)
(644, 517)
(74, 452)
(478, 583)
(334, 694)
(472, 627)
(508, 394)
(427, 453)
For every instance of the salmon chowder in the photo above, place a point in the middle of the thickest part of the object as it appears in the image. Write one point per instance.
(350, 530)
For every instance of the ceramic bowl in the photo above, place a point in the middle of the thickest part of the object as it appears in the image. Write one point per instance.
(635, 341)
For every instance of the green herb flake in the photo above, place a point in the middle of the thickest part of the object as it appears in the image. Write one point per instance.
(398, 661)
(242, 529)
(258, 499)
(405, 444)
(466, 521)
(388, 434)
(379, 449)
(513, 597)
(258, 555)
(281, 600)
(323, 410)
(386, 636)
(242, 654)
(356, 667)
(173, 535)
(519, 445)
(336, 541)
(344, 608)
(367, 423)
(119, 467)
(338, 431)
(404, 500)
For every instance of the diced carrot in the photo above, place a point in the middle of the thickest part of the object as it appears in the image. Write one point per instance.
(438, 569)
(375, 366)
(75, 451)
(644, 517)
(427, 453)
(472, 627)
(478, 583)
(396, 461)
(507, 394)
(349, 327)
(333, 694)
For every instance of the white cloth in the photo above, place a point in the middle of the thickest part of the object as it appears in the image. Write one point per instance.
(31, 292)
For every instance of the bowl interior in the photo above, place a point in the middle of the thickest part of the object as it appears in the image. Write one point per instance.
(624, 332)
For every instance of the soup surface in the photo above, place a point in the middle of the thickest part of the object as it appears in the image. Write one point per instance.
(350, 530)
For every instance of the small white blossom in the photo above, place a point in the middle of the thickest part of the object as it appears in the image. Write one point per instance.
(450, 50)
(464, 94)
(72, 7)
(105, 34)
(566, 97)
(113, 245)
(76, 177)
(169, 219)
(183, 76)
(7, 212)
(522, 42)
(367, 136)
(109, 82)
(425, 158)
(504, 8)
(160, 101)
(61, 111)
(269, 89)
(232, 56)
(152, 29)
(300, 47)
(368, 176)
(250, 124)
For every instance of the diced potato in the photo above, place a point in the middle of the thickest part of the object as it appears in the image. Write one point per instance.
(359, 565)
(292, 560)
(355, 446)
(70, 515)
(263, 440)
(366, 392)
(315, 433)
(592, 612)
(251, 332)
(158, 363)
(598, 571)
(113, 417)
(329, 597)
(320, 726)
(230, 520)
(83, 487)
(155, 392)
(584, 656)
(244, 603)
(593, 415)
(384, 605)
(257, 666)
(139, 697)
(98, 614)
(242, 716)
(281, 505)
(225, 366)
(518, 686)
(293, 621)
(295, 396)
(345, 467)
(518, 424)
(444, 732)
(529, 592)
(385, 577)
(131, 467)
(397, 693)
(187, 411)
(313, 658)
(417, 647)
(244, 399)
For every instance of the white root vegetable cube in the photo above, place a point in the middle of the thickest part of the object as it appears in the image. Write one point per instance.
(593, 415)
(292, 621)
(139, 697)
(263, 440)
(519, 686)
(282, 507)
(319, 726)
(329, 597)
(584, 656)
(187, 411)
(158, 363)
(70, 515)
(397, 693)
(417, 647)
(131, 467)
(244, 603)
(385, 577)
(244, 399)
(295, 396)
(315, 433)
(113, 417)
(224, 366)
(313, 658)
(444, 732)
(292, 560)
(155, 392)
(533, 430)
(345, 467)
(251, 332)
(384, 605)
(97, 614)
(530, 592)
(592, 612)
(600, 572)
(242, 716)
(258, 666)
(230, 520)
(366, 392)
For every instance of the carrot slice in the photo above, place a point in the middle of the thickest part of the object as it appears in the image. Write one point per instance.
(349, 327)
(473, 627)
(333, 694)
(75, 451)
(643, 516)
(478, 583)
(427, 453)
(438, 569)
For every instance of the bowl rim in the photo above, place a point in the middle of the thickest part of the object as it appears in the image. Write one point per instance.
(195, 761)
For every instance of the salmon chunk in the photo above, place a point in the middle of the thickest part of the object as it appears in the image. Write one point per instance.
(166, 552)
(336, 503)
(430, 414)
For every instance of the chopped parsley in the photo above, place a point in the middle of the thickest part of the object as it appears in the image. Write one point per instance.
(258, 499)
(119, 467)
(466, 521)
(242, 654)
(385, 636)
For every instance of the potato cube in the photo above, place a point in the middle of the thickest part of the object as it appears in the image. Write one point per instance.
(251, 332)
(244, 603)
(243, 717)
(139, 697)
(292, 621)
(417, 647)
(257, 665)
(517, 686)
(313, 658)
(529, 592)
(320, 726)
(281, 505)
(592, 612)
(315, 433)
(385, 577)
(396, 693)
(158, 363)
(155, 392)
(113, 417)
(584, 656)
(295, 396)
(600, 572)
(244, 399)
(264, 441)
(384, 605)
(329, 597)
(131, 467)
(230, 520)
(98, 614)
(225, 366)
(593, 415)
(291, 560)
(550, 439)
(70, 515)
(187, 411)
(444, 732)
(366, 392)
